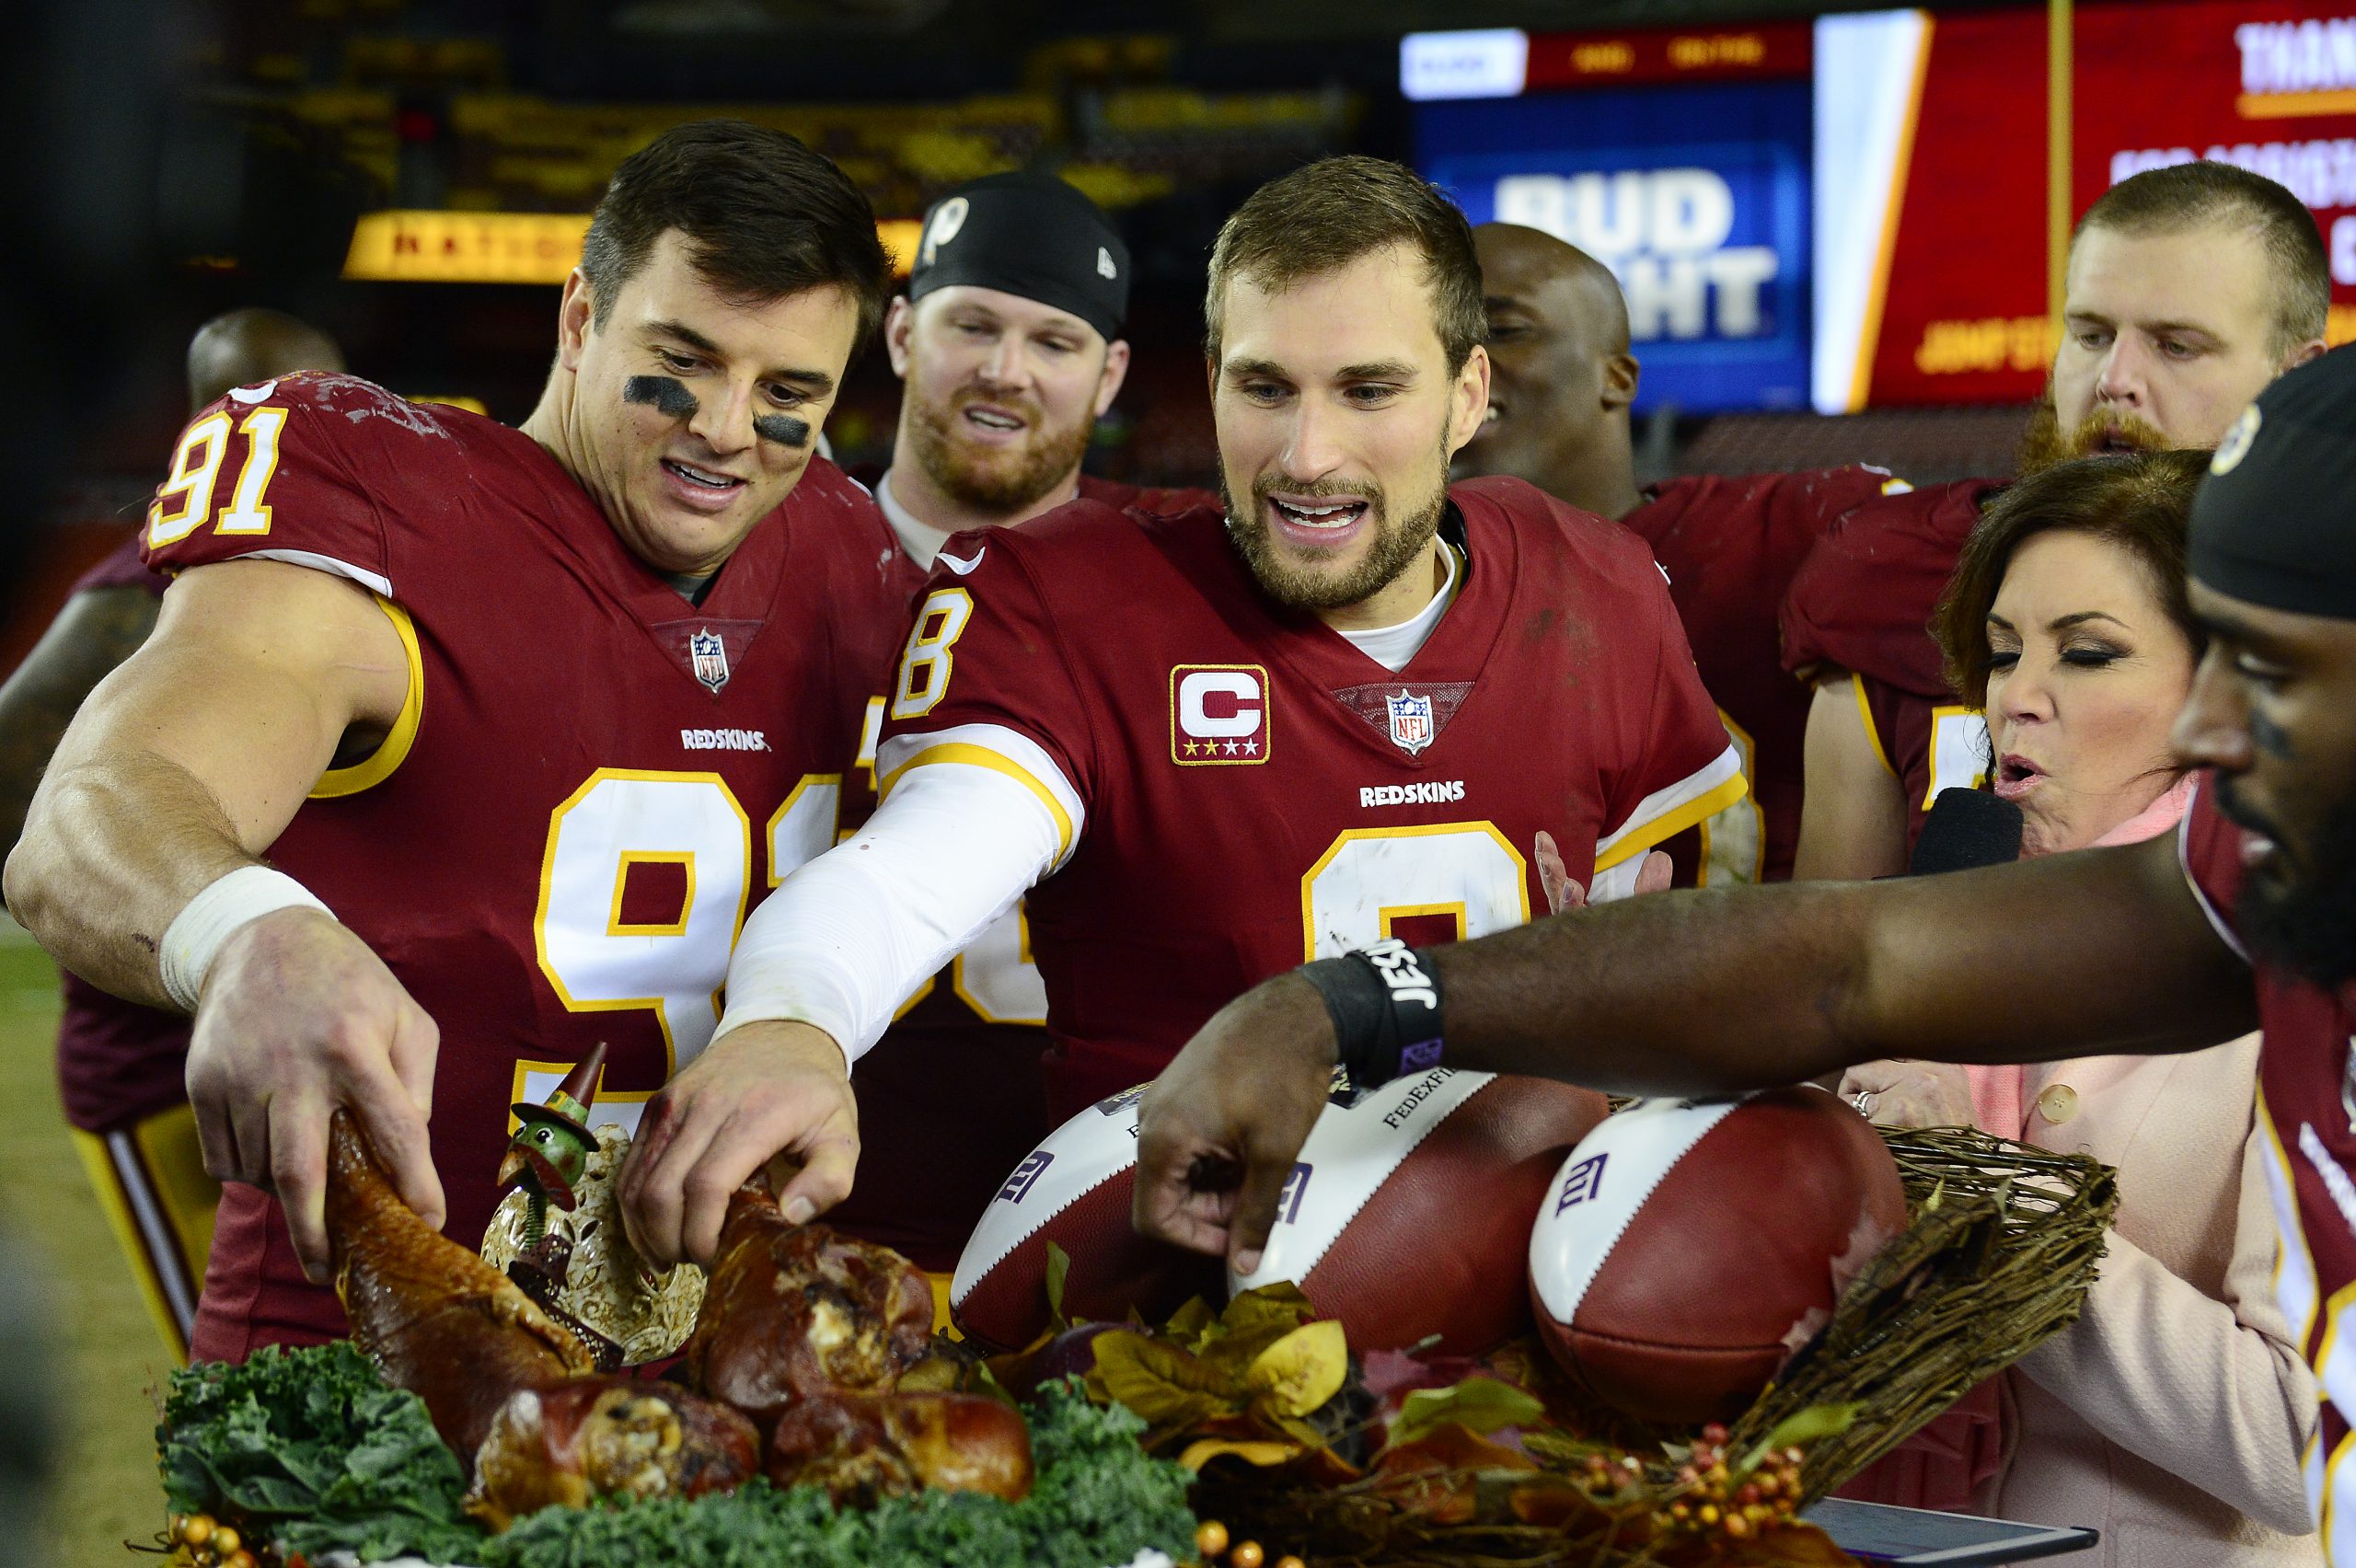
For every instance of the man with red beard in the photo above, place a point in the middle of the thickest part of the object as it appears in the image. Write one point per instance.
(1339, 709)
(1008, 346)
(1561, 381)
(2189, 290)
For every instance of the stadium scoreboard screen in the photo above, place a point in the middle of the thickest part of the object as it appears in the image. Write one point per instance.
(1852, 212)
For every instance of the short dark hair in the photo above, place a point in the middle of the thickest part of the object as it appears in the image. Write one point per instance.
(2217, 195)
(1324, 216)
(763, 215)
(2137, 500)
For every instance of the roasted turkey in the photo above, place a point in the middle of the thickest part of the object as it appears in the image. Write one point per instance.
(604, 1436)
(796, 1310)
(865, 1447)
(436, 1318)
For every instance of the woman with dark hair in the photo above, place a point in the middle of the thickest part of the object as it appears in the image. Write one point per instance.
(2175, 1415)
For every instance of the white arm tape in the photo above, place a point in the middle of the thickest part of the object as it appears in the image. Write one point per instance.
(844, 940)
(193, 939)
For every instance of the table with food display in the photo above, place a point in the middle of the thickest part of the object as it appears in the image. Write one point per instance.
(1500, 1322)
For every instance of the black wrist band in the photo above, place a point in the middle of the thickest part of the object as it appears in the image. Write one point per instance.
(1385, 1004)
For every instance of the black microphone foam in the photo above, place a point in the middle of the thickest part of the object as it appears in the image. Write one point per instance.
(1966, 828)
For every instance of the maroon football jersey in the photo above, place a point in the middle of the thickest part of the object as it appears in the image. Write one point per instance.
(117, 1062)
(1927, 746)
(1730, 545)
(1242, 789)
(951, 1099)
(2306, 1105)
(1863, 599)
(557, 843)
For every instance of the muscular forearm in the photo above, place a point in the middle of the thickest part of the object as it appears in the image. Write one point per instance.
(188, 760)
(117, 846)
(1735, 989)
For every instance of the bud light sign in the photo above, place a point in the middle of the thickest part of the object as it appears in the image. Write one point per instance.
(1696, 197)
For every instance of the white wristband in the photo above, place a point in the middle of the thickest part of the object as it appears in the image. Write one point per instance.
(194, 938)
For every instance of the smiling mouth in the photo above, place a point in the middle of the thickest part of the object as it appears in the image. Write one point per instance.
(702, 478)
(1323, 516)
(992, 419)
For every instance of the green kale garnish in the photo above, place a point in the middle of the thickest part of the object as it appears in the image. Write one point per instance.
(312, 1449)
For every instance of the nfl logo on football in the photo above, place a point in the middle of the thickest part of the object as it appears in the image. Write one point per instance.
(709, 658)
(1411, 722)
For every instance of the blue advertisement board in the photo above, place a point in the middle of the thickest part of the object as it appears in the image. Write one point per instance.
(1696, 197)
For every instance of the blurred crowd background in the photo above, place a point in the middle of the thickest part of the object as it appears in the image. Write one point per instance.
(1836, 227)
(1832, 223)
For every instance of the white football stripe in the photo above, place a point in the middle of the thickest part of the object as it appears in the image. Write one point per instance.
(1603, 1184)
(1085, 1153)
(1350, 1153)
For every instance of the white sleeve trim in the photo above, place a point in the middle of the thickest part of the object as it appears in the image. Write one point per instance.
(1692, 794)
(2217, 920)
(381, 586)
(1005, 750)
(846, 937)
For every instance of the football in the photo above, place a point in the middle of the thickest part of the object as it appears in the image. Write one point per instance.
(1408, 1214)
(1687, 1247)
(1074, 1191)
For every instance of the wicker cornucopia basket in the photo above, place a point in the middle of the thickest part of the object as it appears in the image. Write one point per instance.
(2004, 1242)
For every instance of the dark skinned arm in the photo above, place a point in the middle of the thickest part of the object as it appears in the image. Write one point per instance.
(1721, 990)
(96, 630)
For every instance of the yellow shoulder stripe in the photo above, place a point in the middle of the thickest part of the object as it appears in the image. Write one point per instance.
(1670, 823)
(378, 764)
(981, 757)
(1866, 717)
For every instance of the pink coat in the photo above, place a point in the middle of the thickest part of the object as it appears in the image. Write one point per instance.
(2173, 1415)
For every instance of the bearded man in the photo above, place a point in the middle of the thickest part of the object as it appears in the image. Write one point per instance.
(1009, 347)
(1346, 703)
(2189, 290)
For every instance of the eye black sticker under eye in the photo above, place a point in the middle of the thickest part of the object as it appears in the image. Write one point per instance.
(662, 394)
(783, 429)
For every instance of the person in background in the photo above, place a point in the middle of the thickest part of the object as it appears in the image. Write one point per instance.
(2173, 1414)
(2188, 289)
(1206, 742)
(1008, 344)
(120, 1067)
(2244, 918)
(1561, 384)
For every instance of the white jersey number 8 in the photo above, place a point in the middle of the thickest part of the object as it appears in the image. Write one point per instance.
(1370, 877)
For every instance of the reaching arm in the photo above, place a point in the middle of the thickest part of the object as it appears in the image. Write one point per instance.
(1716, 990)
(96, 630)
(184, 765)
(1853, 818)
(821, 967)
(190, 759)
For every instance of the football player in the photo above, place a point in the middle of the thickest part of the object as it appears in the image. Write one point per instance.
(1560, 380)
(120, 1066)
(2188, 289)
(1342, 705)
(2244, 918)
(522, 718)
(1008, 344)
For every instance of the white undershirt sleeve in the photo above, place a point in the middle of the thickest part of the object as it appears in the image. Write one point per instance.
(845, 940)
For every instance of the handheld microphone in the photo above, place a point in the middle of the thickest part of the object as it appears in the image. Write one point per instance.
(1966, 828)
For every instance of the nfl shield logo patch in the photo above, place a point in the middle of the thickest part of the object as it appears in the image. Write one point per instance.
(1411, 722)
(708, 657)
